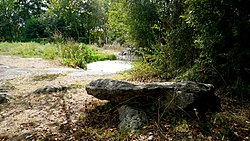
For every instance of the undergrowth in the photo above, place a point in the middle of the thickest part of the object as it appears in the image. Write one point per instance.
(143, 71)
(226, 124)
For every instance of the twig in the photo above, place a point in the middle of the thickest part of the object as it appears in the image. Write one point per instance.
(220, 75)
(171, 101)
(160, 130)
(184, 111)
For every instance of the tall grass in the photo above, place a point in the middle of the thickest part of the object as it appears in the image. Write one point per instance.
(47, 51)
(71, 54)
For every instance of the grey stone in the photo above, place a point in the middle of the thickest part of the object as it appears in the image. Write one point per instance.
(161, 96)
(172, 95)
(131, 119)
(52, 88)
(4, 97)
(4, 94)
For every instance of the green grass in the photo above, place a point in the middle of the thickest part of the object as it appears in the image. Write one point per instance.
(30, 49)
(71, 54)
(103, 56)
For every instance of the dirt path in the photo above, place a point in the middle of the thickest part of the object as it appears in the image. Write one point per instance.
(30, 114)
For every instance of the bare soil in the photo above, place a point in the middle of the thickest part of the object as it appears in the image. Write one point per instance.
(32, 114)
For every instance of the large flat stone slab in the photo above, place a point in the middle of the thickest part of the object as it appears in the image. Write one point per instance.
(172, 95)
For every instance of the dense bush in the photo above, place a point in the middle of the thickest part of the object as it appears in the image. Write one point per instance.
(34, 29)
(197, 40)
(222, 29)
(172, 51)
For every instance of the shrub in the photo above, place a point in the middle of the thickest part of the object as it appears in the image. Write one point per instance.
(78, 55)
(34, 28)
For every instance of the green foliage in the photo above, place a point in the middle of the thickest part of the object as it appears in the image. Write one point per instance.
(74, 55)
(79, 55)
(5, 48)
(14, 14)
(221, 35)
(34, 29)
(8, 26)
(172, 52)
(103, 56)
(155, 66)
(117, 16)
(142, 15)
(73, 19)
(204, 41)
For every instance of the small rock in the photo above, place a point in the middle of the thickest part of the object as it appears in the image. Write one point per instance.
(52, 88)
(150, 138)
(4, 97)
